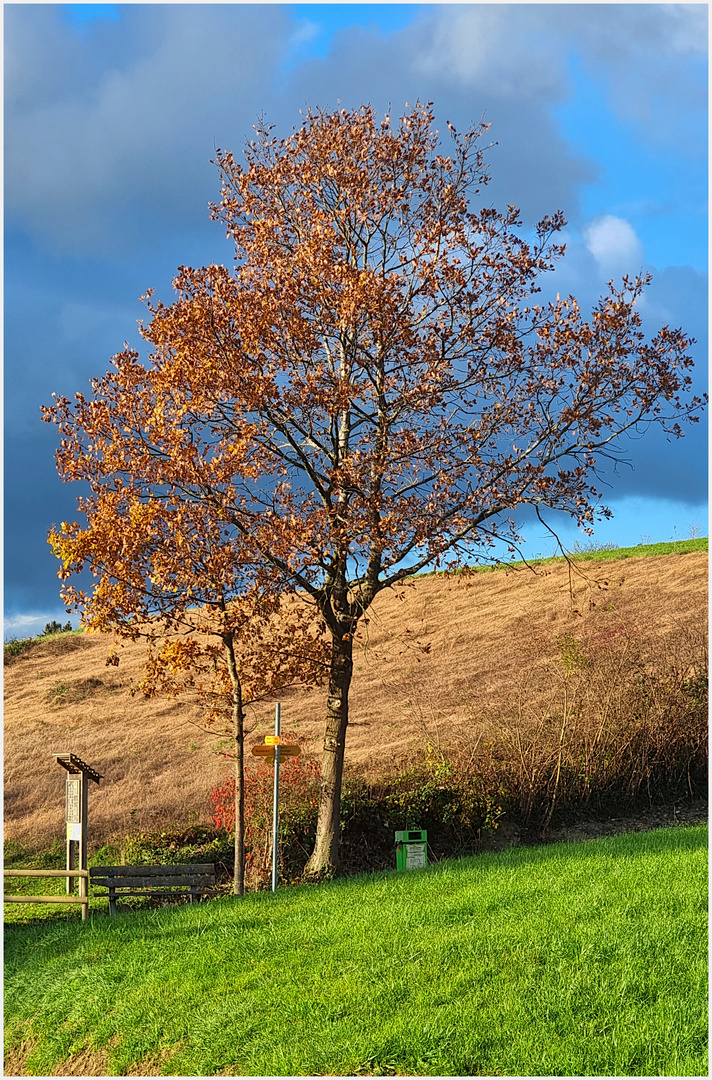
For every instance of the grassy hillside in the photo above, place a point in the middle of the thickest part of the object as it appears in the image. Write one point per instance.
(572, 959)
(454, 663)
(596, 553)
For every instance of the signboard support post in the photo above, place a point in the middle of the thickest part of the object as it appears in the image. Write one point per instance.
(275, 815)
(272, 750)
(83, 865)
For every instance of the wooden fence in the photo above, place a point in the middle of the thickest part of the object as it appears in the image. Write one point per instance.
(82, 898)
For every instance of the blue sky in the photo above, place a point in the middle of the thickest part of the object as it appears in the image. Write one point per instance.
(112, 113)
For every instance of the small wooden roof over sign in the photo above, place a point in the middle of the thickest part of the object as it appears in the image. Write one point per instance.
(74, 764)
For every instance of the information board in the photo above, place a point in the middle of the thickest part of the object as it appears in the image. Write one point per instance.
(74, 785)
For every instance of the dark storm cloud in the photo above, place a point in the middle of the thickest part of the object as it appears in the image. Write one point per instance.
(34, 500)
(108, 138)
(665, 467)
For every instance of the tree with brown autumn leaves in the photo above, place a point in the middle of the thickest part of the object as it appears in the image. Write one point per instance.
(371, 389)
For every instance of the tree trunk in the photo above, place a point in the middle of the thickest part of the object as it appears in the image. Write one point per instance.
(239, 881)
(324, 860)
(238, 719)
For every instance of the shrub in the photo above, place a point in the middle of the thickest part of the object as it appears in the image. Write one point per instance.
(440, 796)
(55, 637)
(197, 843)
(435, 795)
(588, 547)
(15, 647)
(298, 800)
(617, 714)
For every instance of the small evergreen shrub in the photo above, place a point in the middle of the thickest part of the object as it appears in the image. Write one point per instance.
(56, 628)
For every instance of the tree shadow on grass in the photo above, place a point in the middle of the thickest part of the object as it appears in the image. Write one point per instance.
(66, 936)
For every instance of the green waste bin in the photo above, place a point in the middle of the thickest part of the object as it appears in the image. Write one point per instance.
(411, 849)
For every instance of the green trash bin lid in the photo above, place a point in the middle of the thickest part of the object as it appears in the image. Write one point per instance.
(404, 836)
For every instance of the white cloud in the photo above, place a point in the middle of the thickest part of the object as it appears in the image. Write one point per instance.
(496, 49)
(32, 625)
(687, 32)
(651, 57)
(614, 245)
(305, 32)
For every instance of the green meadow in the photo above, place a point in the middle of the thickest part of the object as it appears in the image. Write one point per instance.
(601, 554)
(565, 959)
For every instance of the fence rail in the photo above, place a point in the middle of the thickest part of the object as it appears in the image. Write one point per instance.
(18, 899)
(46, 873)
(45, 900)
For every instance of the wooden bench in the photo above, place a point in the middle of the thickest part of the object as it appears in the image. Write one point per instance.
(169, 881)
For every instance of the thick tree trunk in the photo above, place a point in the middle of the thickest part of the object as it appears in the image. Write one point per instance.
(324, 860)
(239, 881)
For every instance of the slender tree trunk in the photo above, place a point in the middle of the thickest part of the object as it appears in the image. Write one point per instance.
(238, 718)
(324, 860)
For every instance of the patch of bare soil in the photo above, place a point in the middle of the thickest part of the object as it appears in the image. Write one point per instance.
(15, 1061)
(85, 1063)
(432, 657)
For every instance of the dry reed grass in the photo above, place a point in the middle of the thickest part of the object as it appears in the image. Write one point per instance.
(456, 662)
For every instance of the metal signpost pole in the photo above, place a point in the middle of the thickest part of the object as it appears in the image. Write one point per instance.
(275, 816)
(272, 750)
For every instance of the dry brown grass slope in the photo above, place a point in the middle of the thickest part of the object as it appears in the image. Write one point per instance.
(433, 658)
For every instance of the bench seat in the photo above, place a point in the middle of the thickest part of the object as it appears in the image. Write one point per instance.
(192, 879)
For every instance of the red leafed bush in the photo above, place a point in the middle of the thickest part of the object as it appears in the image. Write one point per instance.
(298, 802)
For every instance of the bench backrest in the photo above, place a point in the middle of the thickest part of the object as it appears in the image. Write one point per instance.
(147, 877)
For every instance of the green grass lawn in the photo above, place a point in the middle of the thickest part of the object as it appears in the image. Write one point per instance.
(567, 959)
